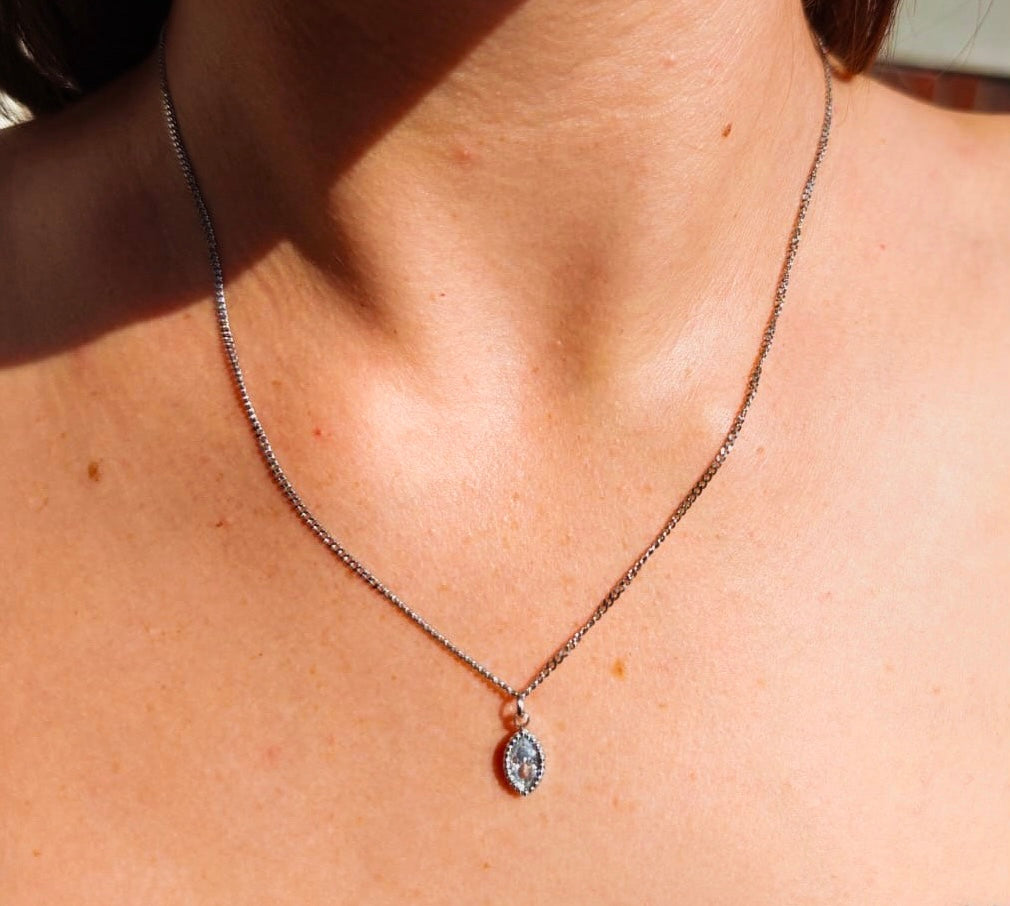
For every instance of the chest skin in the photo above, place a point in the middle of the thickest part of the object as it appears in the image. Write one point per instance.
(802, 698)
(794, 701)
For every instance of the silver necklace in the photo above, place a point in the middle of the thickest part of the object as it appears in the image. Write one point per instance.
(523, 760)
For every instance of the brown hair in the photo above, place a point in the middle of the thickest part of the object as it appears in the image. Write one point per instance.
(52, 53)
(852, 30)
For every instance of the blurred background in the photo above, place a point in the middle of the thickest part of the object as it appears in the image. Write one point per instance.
(955, 53)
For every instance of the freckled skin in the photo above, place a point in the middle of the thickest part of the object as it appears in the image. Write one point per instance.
(799, 700)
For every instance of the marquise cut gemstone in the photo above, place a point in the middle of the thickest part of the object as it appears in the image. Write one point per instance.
(524, 762)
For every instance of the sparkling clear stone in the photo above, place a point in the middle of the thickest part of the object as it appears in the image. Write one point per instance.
(524, 762)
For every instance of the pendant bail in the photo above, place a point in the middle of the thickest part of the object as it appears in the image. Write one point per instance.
(521, 716)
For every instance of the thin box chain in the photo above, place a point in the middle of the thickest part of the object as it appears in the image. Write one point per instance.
(306, 515)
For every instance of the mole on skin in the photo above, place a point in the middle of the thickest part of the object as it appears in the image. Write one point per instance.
(726, 130)
(94, 473)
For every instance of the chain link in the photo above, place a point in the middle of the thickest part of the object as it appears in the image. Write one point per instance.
(281, 478)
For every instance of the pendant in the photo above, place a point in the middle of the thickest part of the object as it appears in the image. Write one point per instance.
(524, 756)
(524, 762)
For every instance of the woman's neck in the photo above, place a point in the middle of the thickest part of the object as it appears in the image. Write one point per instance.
(545, 172)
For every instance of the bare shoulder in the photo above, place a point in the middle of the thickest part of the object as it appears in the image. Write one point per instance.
(82, 219)
(975, 149)
(49, 220)
(921, 230)
(908, 277)
(943, 178)
(89, 209)
(85, 216)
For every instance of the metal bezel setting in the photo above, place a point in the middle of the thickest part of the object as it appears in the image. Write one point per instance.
(521, 786)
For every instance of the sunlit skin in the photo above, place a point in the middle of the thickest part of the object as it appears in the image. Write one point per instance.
(497, 276)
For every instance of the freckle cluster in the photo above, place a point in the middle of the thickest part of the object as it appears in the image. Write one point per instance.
(524, 757)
